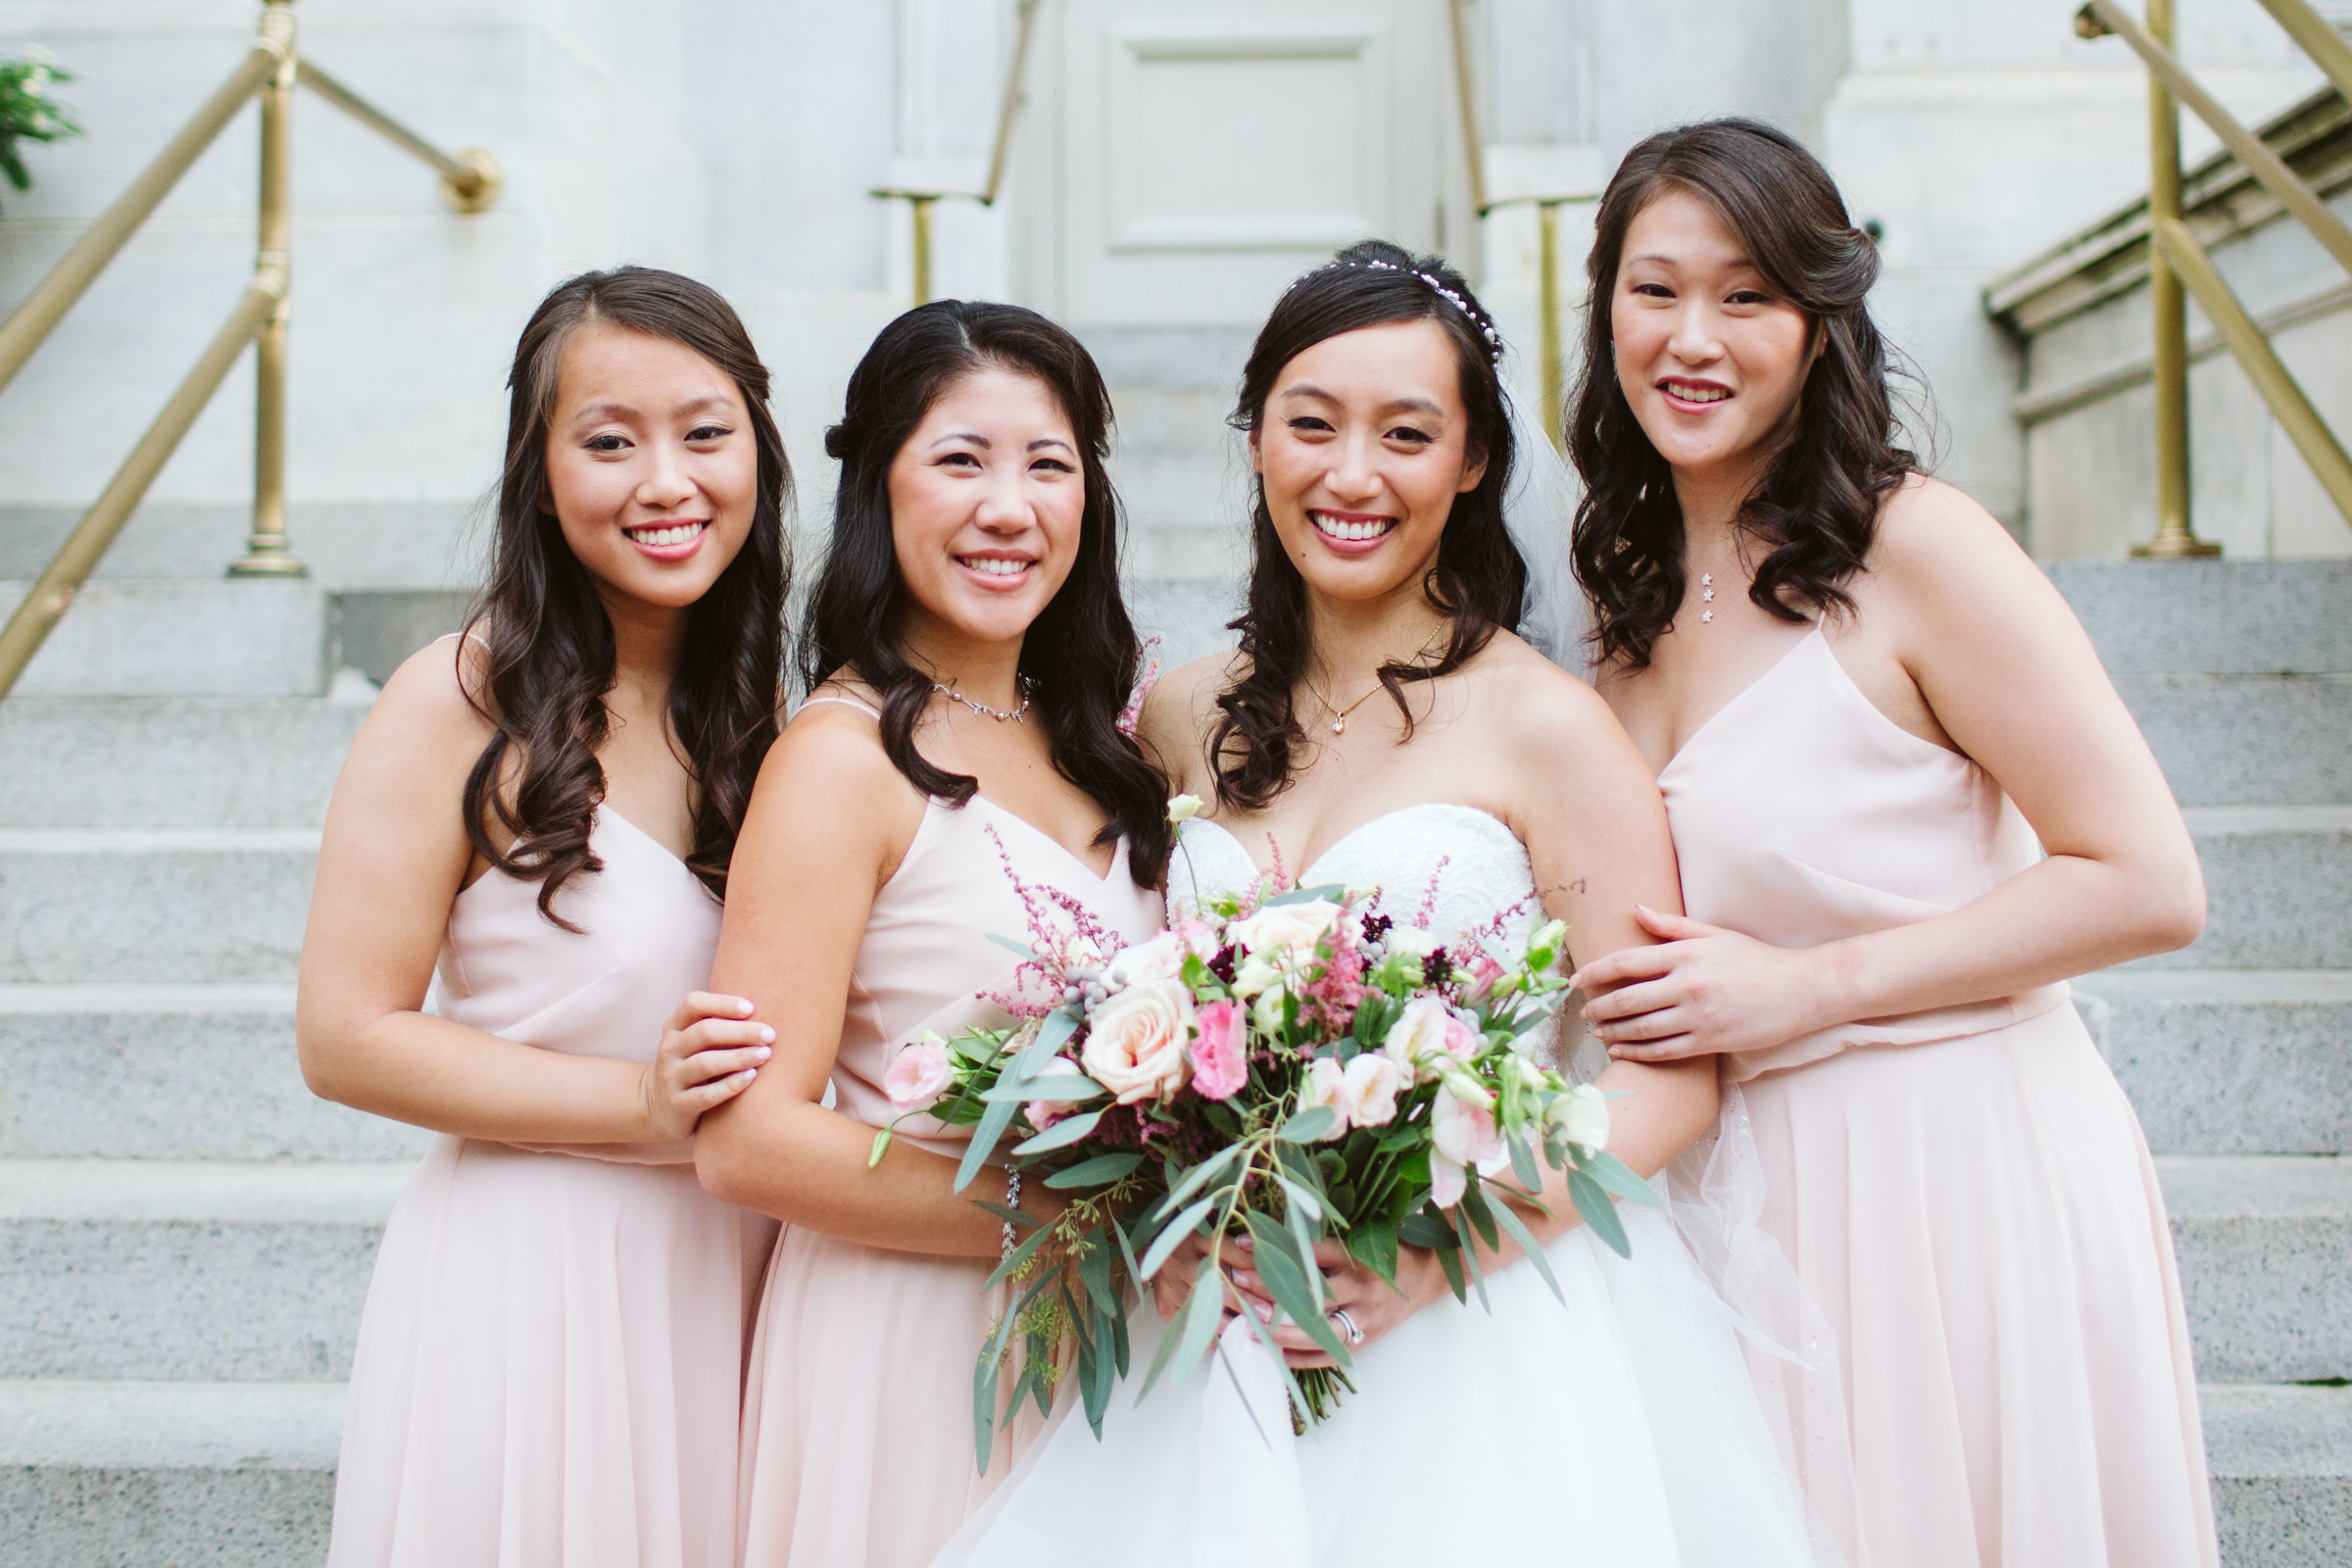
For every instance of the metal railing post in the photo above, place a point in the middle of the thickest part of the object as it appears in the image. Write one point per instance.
(918, 208)
(267, 554)
(2175, 536)
(1548, 338)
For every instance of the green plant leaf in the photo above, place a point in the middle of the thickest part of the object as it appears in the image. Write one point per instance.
(984, 1140)
(1477, 1270)
(1010, 946)
(1062, 1132)
(1094, 1270)
(1511, 1222)
(1302, 1202)
(1522, 1163)
(1017, 1256)
(1194, 1327)
(1600, 1213)
(1481, 1213)
(1616, 1176)
(1451, 1260)
(1331, 891)
(1308, 1125)
(1292, 1288)
(1421, 1227)
(1065, 1087)
(1373, 1244)
(1100, 1172)
(1052, 1035)
(1200, 1177)
(1172, 1234)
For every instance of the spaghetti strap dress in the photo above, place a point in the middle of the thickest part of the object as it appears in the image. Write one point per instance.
(550, 1363)
(858, 1444)
(1965, 1191)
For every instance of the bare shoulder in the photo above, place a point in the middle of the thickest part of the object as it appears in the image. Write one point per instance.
(1939, 554)
(1540, 711)
(426, 712)
(1181, 705)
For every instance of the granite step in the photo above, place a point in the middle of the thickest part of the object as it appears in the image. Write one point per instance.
(153, 907)
(2248, 740)
(2230, 1061)
(2276, 878)
(2265, 1247)
(2282, 1463)
(174, 762)
(190, 1072)
(187, 1269)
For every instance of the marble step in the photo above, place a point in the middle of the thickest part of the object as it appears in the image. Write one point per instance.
(187, 1269)
(2230, 1061)
(190, 1072)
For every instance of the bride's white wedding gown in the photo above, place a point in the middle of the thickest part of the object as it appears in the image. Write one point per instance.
(1620, 1427)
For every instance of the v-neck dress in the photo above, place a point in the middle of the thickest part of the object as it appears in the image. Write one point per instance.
(550, 1363)
(1965, 1191)
(857, 1447)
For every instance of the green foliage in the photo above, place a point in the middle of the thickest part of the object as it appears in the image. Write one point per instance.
(29, 114)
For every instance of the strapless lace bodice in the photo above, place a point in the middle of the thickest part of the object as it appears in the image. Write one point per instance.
(1451, 869)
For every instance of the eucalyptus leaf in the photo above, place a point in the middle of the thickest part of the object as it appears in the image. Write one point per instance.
(1201, 1176)
(1302, 1201)
(1172, 1234)
(1308, 1125)
(1373, 1244)
(1481, 1214)
(984, 1142)
(1522, 1163)
(1052, 1035)
(1423, 1229)
(1062, 1132)
(1190, 1336)
(1600, 1213)
(1297, 1290)
(1062, 1087)
(1616, 1176)
(1010, 946)
(1511, 1222)
(1094, 1268)
(1100, 1172)
(1017, 1256)
(1470, 1261)
(1329, 891)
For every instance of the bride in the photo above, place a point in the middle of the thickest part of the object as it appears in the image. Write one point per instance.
(1381, 724)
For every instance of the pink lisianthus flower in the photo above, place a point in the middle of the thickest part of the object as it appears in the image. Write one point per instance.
(1482, 973)
(918, 1073)
(1044, 1113)
(1197, 936)
(1220, 1064)
(1462, 1136)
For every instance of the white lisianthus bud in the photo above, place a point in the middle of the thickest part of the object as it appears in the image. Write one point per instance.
(1548, 937)
(1530, 1076)
(1411, 941)
(1183, 808)
(1286, 934)
(1253, 975)
(1582, 1115)
(1266, 1010)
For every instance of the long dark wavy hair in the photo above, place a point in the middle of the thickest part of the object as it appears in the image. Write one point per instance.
(1079, 658)
(1478, 577)
(1816, 508)
(549, 654)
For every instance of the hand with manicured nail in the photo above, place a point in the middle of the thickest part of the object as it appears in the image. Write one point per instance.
(1702, 990)
(711, 1052)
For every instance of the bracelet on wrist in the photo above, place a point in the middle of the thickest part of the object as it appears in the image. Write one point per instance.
(1012, 1199)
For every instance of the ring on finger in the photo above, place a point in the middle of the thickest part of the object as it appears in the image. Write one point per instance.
(1349, 1329)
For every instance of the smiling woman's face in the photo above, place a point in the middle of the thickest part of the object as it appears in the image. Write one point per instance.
(1362, 447)
(1710, 356)
(652, 469)
(987, 503)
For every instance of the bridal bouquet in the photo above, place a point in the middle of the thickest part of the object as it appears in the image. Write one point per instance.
(1289, 1064)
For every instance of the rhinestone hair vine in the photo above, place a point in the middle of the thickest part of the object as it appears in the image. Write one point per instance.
(1450, 296)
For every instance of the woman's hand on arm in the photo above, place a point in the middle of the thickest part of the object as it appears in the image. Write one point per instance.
(391, 862)
(2008, 675)
(830, 821)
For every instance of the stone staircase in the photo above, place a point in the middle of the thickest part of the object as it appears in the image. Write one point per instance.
(185, 1233)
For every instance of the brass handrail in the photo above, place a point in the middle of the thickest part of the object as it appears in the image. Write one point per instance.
(469, 182)
(2175, 258)
(1551, 337)
(1009, 108)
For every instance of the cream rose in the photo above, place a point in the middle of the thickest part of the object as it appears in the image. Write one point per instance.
(1286, 934)
(1161, 958)
(1135, 1041)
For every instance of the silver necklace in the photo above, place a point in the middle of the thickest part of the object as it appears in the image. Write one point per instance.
(1706, 583)
(1016, 715)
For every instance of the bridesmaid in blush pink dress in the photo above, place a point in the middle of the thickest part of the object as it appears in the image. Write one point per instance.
(550, 1365)
(959, 774)
(1907, 806)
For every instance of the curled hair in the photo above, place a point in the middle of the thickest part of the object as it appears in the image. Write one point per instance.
(1816, 508)
(548, 641)
(1478, 576)
(1080, 657)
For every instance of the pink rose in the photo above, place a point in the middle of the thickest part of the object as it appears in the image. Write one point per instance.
(1462, 1135)
(1198, 937)
(1044, 1113)
(1134, 1043)
(918, 1073)
(1220, 1065)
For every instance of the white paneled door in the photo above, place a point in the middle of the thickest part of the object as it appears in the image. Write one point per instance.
(1211, 150)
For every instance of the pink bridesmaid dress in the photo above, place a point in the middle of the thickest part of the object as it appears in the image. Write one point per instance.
(1965, 1191)
(858, 1447)
(550, 1366)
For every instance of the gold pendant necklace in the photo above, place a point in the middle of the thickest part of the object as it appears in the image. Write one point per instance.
(1339, 715)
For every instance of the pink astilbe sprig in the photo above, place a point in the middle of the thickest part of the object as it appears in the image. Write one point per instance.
(1063, 935)
(1426, 916)
(1333, 994)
